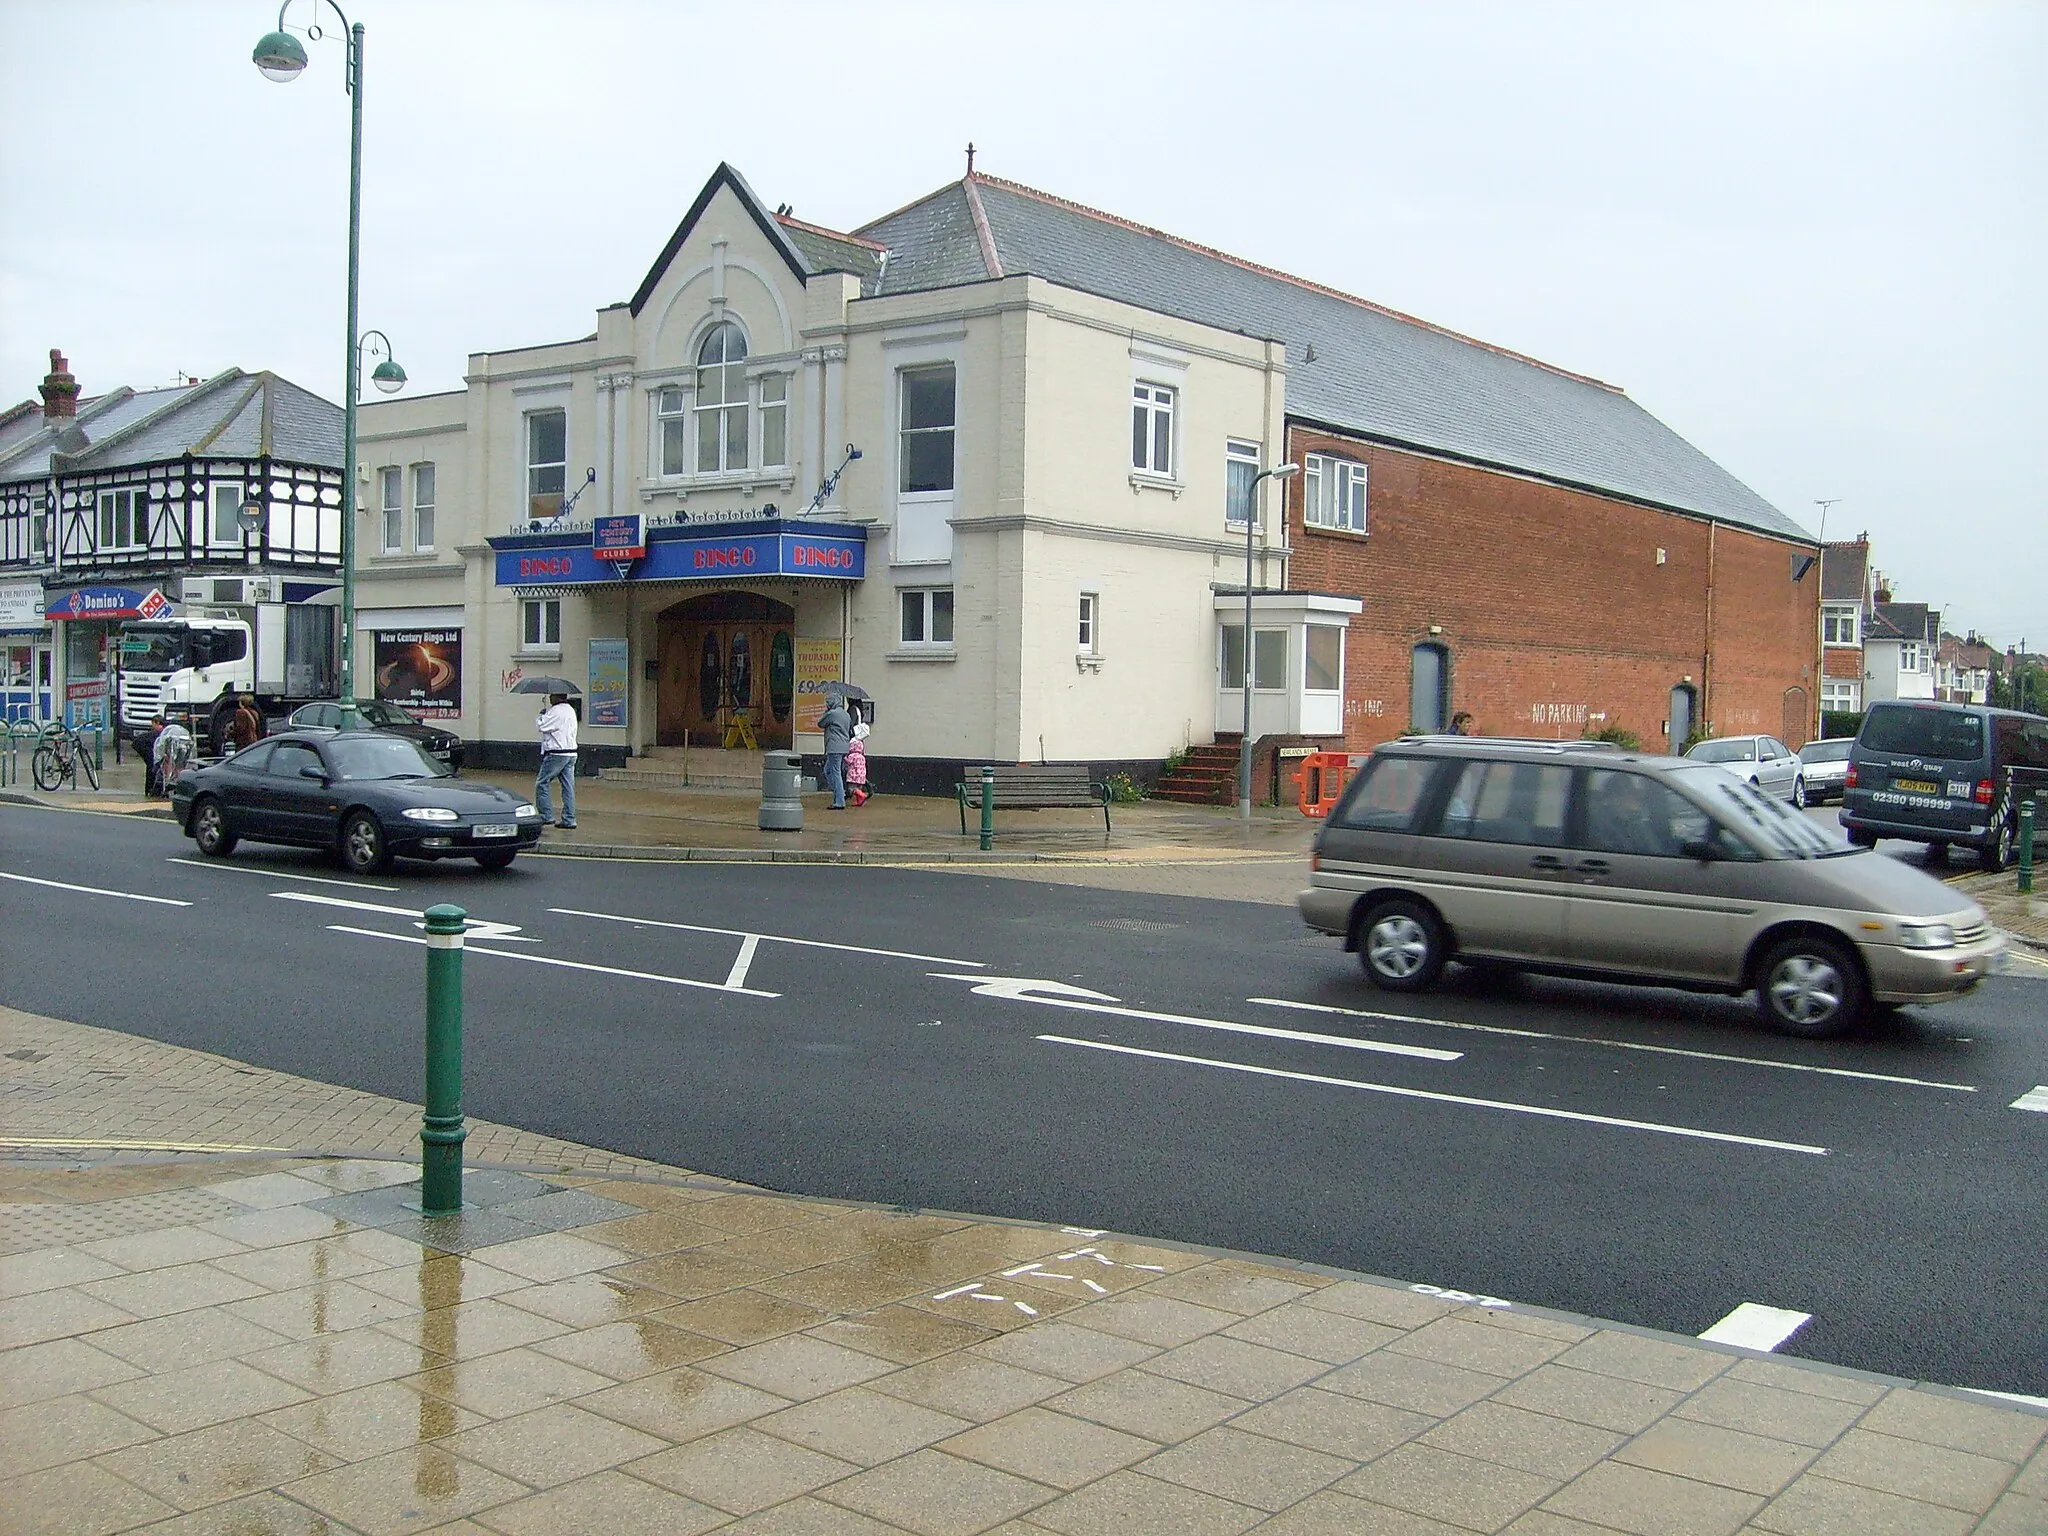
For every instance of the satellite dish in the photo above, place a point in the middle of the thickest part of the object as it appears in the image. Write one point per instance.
(250, 516)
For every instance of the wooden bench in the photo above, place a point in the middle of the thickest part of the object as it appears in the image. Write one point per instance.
(1035, 787)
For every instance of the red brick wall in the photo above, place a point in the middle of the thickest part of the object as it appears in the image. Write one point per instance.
(1843, 661)
(1555, 608)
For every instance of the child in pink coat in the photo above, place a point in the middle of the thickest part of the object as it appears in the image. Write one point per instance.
(857, 765)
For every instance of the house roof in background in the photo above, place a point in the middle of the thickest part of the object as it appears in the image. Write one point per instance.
(1845, 572)
(1353, 365)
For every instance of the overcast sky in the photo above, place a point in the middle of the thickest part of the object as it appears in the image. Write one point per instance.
(1808, 237)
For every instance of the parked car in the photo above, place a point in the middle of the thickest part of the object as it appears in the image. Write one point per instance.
(444, 747)
(1824, 764)
(1765, 761)
(1941, 774)
(369, 796)
(1628, 867)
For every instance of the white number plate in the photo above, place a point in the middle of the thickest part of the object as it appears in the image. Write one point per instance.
(495, 829)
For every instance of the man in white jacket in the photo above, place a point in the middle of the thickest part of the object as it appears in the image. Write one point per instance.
(557, 759)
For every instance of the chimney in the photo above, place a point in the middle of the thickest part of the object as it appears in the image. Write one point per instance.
(60, 391)
(1883, 593)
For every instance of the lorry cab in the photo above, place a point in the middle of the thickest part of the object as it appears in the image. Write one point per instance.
(193, 667)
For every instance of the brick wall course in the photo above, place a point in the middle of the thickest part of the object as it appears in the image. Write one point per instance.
(1554, 605)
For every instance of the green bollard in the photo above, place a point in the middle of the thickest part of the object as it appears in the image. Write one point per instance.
(988, 809)
(2026, 845)
(441, 1129)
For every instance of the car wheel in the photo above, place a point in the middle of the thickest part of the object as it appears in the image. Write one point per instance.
(1799, 801)
(210, 829)
(498, 858)
(363, 850)
(1999, 852)
(1401, 945)
(1811, 987)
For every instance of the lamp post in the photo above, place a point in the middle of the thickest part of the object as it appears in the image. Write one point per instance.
(1281, 472)
(280, 57)
(1820, 676)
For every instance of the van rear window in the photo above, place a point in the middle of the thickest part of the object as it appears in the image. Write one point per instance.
(1937, 733)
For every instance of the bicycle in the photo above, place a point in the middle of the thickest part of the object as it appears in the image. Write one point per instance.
(60, 756)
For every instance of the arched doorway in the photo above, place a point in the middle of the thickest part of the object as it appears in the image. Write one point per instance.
(722, 652)
(1429, 688)
(1795, 718)
(1684, 705)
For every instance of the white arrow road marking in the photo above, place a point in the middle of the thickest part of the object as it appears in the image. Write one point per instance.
(1619, 1045)
(475, 927)
(93, 890)
(773, 938)
(1448, 1098)
(1057, 994)
(278, 874)
(1753, 1326)
(567, 965)
(2034, 1099)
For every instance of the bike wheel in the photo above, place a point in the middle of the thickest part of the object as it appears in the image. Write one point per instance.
(49, 773)
(83, 759)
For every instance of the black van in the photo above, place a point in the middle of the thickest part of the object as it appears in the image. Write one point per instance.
(1941, 774)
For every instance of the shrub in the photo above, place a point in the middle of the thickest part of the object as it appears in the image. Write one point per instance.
(1699, 734)
(1841, 722)
(1627, 740)
(1123, 789)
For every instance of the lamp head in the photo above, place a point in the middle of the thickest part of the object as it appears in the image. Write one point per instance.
(1284, 471)
(388, 377)
(280, 57)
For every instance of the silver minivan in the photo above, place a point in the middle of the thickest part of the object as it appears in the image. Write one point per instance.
(1581, 860)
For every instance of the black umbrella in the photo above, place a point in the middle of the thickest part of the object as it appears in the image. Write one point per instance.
(846, 690)
(545, 685)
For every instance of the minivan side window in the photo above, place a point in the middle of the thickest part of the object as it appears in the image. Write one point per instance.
(1387, 795)
(1633, 813)
(1508, 803)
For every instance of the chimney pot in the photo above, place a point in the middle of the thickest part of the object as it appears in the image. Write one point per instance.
(60, 390)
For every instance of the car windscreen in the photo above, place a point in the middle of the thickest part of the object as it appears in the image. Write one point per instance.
(381, 757)
(1947, 735)
(1723, 752)
(1825, 752)
(378, 712)
(1764, 820)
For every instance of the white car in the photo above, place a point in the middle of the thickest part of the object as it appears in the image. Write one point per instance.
(1763, 761)
(1826, 766)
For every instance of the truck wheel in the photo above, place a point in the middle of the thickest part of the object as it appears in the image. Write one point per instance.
(363, 849)
(217, 725)
(210, 829)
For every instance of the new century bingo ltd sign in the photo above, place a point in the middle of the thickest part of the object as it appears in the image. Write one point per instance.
(834, 555)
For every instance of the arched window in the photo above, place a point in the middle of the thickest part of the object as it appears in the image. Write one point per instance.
(722, 399)
(1429, 687)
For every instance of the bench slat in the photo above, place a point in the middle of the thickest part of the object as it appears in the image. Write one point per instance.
(1047, 786)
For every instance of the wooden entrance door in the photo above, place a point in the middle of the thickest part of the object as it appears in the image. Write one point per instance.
(709, 669)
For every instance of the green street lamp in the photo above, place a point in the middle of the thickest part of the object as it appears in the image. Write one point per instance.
(281, 57)
(387, 375)
(1282, 473)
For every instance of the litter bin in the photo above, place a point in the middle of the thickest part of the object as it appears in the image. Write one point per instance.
(782, 775)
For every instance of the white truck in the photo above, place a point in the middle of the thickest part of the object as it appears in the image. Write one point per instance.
(196, 668)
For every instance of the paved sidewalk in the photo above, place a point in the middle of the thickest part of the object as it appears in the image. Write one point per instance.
(247, 1342)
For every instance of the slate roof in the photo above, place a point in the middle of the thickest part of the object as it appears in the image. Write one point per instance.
(1377, 374)
(1846, 573)
(827, 250)
(234, 415)
(25, 455)
(1904, 621)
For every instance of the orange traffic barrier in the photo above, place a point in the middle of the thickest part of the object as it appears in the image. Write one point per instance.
(1322, 778)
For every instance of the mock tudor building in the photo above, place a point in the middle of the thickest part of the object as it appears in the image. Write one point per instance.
(992, 457)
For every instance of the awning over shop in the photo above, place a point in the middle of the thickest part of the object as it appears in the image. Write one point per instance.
(107, 603)
(710, 552)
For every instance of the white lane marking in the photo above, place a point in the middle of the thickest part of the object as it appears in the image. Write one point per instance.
(278, 874)
(1754, 1326)
(743, 961)
(773, 938)
(2010, 1397)
(567, 965)
(1619, 1045)
(1057, 994)
(2034, 1099)
(94, 890)
(1449, 1098)
(475, 927)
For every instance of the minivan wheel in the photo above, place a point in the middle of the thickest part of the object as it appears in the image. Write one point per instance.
(1937, 855)
(1810, 986)
(1401, 945)
(1862, 839)
(1999, 852)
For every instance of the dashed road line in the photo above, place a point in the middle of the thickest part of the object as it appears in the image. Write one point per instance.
(1755, 1326)
(1463, 1100)
(773, 938)
(567, 965)
(278, 874)
(93, 890)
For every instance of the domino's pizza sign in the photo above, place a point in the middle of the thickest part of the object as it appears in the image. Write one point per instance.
(109, 603)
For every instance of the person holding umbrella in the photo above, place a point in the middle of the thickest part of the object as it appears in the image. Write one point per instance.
(837, 725)
(557, 725)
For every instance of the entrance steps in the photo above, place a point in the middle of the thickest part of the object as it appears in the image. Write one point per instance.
(690, 768)
(1208, 776)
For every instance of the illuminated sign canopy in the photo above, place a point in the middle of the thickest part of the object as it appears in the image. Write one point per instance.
(700, 552)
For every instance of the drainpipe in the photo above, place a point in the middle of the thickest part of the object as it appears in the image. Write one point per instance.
(1707, 657)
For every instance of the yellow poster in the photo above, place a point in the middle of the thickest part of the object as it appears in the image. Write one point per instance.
(817, 663)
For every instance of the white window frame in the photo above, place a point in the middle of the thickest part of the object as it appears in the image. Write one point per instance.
(703, 407)
(950, 430)
(928, 608)
(1269, 646)
(1910, 656)
(1088, 633)
(772, 393)
(1838, 626)
(1153, 406)
(1240, 456)
(672, 423)
(540, 626)
(423, 509)
(230, 530)
(1334, 495)
(545, 477)
(1309, 640)
(391, 502)
(122, 509)
(1839, 695)
(39, 527)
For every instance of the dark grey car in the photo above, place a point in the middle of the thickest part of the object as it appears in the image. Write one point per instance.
(1941, 774)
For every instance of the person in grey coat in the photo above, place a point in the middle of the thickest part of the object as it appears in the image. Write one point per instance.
(837, 725)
